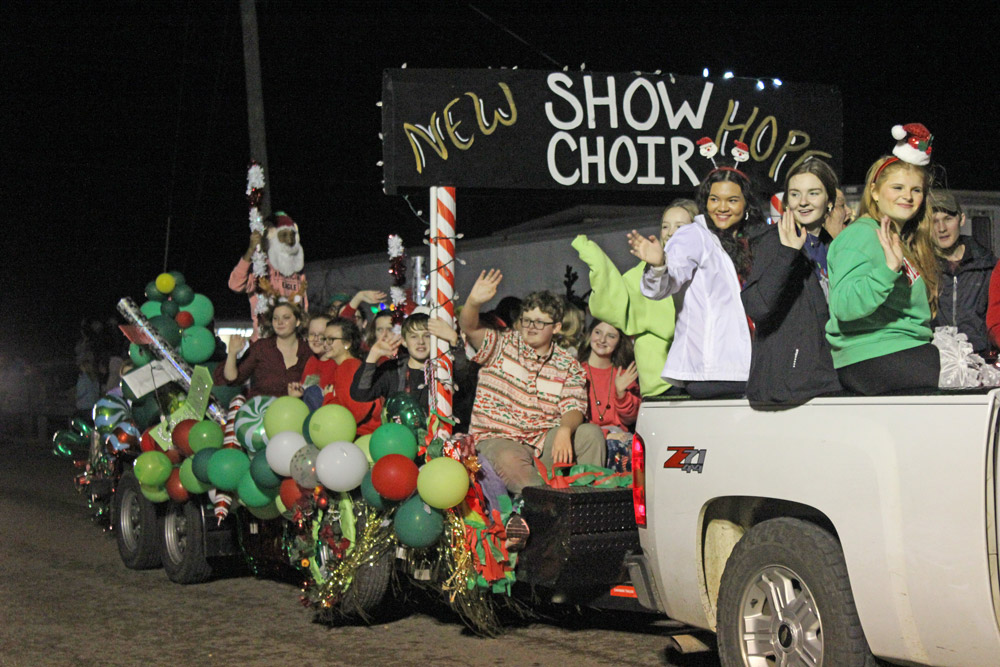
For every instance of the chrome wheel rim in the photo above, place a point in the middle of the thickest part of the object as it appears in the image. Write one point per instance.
(130, 519)
(175, 531)
(780, 623)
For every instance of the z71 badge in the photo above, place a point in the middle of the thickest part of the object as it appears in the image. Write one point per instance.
(687, 459)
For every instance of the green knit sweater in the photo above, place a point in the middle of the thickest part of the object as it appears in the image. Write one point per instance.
(874, 311)
(617, 300)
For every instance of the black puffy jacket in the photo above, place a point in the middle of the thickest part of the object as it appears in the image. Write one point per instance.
(963, 294)
(791, 361)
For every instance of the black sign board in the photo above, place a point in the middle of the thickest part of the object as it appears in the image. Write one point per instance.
(501, 128)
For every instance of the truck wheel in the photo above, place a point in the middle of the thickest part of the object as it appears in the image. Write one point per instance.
(133, 518)
(182, 544)
(785, 598)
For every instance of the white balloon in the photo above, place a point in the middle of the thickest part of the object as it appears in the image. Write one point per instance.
(280, 450)
(340, 466)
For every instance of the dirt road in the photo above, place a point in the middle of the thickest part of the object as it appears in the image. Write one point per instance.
(66, 599)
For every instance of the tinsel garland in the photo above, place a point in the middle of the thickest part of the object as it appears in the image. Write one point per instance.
(397, 269)
(255, 187)
(374, 539)
(474, 605)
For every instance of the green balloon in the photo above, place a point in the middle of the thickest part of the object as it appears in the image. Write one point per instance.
(189, 480)
(397, 403)
(363, 443)
(331, 423)
(206, 434)
(226, 468)
(269, 511)
(150, 309)
(392, 439)
(416, 524)
(201, 310)
(145, 411)
(178, 280)
(285, 413)
(167, 328)
(182, 294)
(139, 355)
(197, 344)
(443, 482)
(152, 468)
(154, 494)
(199, 465)
(369, 493)
(253, 495)
(170, 309)
(305, 428)
(262, 473)
(153, 293)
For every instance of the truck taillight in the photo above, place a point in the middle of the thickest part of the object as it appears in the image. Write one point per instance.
(639, 479)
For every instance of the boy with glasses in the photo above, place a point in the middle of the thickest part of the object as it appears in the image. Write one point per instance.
(532, 397)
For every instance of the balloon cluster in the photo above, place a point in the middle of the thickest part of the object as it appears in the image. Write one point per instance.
(286, 459)
(180, 316)
(422, 493)
(182, 470)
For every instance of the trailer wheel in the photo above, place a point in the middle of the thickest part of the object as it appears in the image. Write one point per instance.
(785, 598)
(134, 520)
(182, 543)
(370, 583)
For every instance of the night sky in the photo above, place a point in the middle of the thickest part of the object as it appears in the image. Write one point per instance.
(118, 116)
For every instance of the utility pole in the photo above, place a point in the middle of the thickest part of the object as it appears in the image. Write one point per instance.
(255, 96)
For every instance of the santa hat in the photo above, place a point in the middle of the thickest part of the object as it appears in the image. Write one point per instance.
(913, 143)
(704, 140)
(284, 221)
(742, 146)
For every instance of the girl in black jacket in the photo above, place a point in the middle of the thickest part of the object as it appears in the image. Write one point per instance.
(786, 294)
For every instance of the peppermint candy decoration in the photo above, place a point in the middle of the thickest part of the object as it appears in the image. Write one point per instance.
(250, 423)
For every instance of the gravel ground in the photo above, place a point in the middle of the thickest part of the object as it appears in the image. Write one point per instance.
(66, 599)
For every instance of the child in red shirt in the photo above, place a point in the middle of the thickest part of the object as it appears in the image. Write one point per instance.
(336, 370)
(612, 389)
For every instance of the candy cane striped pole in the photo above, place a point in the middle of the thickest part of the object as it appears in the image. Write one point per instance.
(442, 294)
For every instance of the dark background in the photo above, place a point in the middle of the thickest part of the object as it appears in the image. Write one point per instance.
(118, 116)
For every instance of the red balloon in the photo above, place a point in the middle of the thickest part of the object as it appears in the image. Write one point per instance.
(146, 442)
(394, 476)
(184, 319)
(179, 436)
(175, 455)
(290, 492)
(175, 489)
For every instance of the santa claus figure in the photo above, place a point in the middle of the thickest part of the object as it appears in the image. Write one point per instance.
(740, 152)
(282, 279)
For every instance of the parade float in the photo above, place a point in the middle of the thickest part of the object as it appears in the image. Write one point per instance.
(188, 476)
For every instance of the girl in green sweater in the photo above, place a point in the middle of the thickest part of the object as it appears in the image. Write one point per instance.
(883, 277)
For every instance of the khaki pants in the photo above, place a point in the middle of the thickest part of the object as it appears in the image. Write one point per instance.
(514, 461)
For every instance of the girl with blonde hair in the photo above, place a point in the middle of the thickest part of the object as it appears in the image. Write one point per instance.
(884, 277)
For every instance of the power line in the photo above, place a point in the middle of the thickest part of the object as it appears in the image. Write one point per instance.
(515, 35)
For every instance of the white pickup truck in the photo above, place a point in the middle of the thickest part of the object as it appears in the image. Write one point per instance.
(828, 533)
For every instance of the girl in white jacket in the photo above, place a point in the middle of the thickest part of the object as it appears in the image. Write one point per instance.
(701, 267)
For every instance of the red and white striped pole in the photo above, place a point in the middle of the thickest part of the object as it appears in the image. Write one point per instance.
(442, 289)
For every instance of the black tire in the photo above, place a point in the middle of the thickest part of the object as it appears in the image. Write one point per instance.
(369, 586)
(799, 567)
(182, 543)
(370, 583)
(134, 520)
